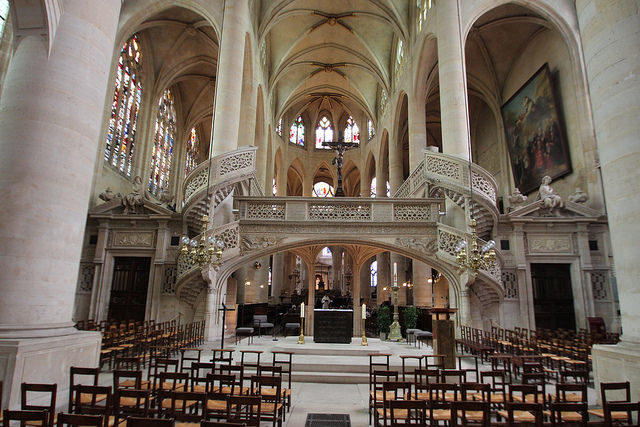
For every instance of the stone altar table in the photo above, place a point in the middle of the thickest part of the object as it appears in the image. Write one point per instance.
(332, 326)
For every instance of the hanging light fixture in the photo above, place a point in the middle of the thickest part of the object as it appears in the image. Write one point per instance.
(201, 252)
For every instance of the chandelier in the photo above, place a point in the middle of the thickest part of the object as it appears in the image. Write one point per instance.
(475, 259)
(202, 252)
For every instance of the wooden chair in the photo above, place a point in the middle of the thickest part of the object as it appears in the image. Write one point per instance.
(28, 390)
(186, 360)
(496, 380)
(474, 359)
(246, 355)
(476, 392)
(219, 388)
(270, 391)
(376, 395)
(130, 403)
(244, 410)
(617, 408)
(422, 379)
(169, 382)
(407, 367)
(407, 413)
(163, 366)
(522, 393)
(391, 390)
(222, 356)
(238, 373)
(187, 406)
(470, 413)
(150, 422)
(204, 423)
(622, 392)
(515, 413)
(439, 405)
(129, 379)
(78, 420)
(434, 361)
(568, 412)
(90, 374)
(1, 402)
(284, 359)
(93, 400)
(199, 373)
(26, 417)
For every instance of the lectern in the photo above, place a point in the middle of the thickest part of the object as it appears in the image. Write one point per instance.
(444, 337)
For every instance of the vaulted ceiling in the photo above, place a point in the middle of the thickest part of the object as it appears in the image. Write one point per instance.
(330, 54)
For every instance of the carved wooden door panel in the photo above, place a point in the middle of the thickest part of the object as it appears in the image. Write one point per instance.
(129, 288)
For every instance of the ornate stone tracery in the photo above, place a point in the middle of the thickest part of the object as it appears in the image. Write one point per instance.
(265, 211)
(340, 212)
(407, 212)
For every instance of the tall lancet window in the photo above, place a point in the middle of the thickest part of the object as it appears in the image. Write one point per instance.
(296, 132)
(118, 152)
(324, 132)
(193, 152)
(351, 131)
(162, 153)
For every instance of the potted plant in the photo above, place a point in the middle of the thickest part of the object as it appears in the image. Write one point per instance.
(384, 321)
(410, 317)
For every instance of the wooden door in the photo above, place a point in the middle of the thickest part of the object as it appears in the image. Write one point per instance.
(129, 288)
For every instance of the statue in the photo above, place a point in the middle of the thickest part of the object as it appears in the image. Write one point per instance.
(517, 198)
(579, 196)
(134, 201)
(549, 197)
(326, 301)
(108, 195)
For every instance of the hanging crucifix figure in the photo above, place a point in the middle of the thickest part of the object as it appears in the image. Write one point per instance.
(340, 146)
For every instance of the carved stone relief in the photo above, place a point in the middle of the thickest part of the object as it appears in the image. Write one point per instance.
(600, 284)
(133, 239)
(85, 278)
(169, 279)
(549, 244)
(428, 245)
(252, 243)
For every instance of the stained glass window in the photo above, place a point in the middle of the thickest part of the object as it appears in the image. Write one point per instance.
(4, 14)
(193, 152)
(324, 132)
(371, 129)
(162, 153)
(279, 128)
(118, 152)
(322, 189)
(423, 9)
(274, 188)
(296, 132)
(352, 131)
(373, 271)
(399, 55)
(326, 252)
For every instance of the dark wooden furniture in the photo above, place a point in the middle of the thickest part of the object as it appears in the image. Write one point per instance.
(333, 326)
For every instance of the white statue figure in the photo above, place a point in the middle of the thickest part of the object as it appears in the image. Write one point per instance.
(326, 301)
(517, 198)
(579, 196)
(134, 201)
(549, 197)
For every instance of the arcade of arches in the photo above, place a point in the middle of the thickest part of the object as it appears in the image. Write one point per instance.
(123, 124)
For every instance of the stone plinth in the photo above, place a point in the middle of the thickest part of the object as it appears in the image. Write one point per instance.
(615, 363)
(45, 360)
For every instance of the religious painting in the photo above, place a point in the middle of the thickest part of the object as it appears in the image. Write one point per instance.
(535, 139)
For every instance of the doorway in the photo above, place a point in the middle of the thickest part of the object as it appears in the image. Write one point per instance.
(129, 288)
(552, 296)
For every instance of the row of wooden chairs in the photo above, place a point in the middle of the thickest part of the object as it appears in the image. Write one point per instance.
(26, 417)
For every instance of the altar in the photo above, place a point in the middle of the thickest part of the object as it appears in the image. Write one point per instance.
(332, 326)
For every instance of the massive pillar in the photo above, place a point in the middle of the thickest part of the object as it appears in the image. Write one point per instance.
(229, 79)
(417, 131)
(50, 121)
(421, 284)
(453, 86)
(610, 40)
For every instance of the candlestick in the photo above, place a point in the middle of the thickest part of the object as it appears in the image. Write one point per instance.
(301, 337)
(364, 311)
(302, 310)
(395, 274)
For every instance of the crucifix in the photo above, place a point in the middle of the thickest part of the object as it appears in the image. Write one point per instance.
(340, 146)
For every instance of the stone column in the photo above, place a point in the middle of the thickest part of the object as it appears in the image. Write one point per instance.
(365, 282)
(421, 284)
(417, 131)
(310, 303)
(277, 276)
(610, 41)
(395, 169)
(50, 124)
(336, 260)
(357, 308)
(384, 277)
(453, 85)
(523, 275)
(212, 328)
(229, 79)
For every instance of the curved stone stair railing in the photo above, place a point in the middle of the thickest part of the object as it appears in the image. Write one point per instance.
(443, 174)
(488, 285)
(233, 170)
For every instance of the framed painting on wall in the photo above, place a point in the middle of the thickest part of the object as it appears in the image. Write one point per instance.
(535, 139)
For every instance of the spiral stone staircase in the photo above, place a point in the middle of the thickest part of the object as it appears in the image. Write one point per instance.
(409, 223)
